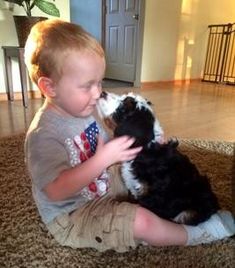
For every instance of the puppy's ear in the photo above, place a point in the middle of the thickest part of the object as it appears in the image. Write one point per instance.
(129, 104)
(125, 110)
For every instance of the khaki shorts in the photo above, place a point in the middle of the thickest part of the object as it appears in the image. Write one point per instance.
(104, 223)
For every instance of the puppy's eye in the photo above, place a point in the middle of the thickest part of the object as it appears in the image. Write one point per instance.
(149, 102)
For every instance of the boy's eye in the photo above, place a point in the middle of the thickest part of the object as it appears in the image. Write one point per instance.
(88, 86)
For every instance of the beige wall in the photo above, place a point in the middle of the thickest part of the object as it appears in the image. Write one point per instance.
(175, 36)
(8, 35)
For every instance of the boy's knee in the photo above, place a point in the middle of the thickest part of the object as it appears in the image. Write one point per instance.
(143, 222)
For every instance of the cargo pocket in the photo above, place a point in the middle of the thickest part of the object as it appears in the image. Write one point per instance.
(60, 228)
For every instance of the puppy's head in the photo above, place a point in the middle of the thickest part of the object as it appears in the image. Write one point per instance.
(128, 114)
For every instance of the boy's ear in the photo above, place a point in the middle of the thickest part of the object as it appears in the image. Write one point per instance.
(46, 85)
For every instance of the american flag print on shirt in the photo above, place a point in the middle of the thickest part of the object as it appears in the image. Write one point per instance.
(91, 134)
(87, 143)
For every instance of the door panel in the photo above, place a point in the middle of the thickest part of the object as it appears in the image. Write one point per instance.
(122, 27)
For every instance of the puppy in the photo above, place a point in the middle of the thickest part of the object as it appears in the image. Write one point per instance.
(160, 178)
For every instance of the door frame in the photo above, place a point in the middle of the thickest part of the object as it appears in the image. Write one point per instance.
(139, 38)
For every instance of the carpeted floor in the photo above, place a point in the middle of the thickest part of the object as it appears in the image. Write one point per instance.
(24, 242)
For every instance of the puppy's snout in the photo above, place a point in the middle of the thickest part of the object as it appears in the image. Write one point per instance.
(104, 95)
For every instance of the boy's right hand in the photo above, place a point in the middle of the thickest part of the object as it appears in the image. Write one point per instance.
(117, 150)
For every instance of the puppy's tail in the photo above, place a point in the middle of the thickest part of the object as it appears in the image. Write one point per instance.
(173, 141)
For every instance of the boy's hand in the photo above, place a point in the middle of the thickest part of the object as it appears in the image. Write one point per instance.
(117, 150)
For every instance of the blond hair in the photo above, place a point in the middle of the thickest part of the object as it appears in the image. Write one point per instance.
(48, 44)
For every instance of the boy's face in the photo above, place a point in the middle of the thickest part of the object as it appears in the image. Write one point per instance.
(79, 88)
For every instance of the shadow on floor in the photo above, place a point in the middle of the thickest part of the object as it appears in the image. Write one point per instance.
(110, 83)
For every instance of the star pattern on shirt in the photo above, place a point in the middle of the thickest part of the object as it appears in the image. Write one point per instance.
(91, 135)
(86, 142)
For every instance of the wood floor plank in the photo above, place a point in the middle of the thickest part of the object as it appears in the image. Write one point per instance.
(192, 110)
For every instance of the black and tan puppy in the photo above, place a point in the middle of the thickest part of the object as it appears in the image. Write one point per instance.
(160, 178)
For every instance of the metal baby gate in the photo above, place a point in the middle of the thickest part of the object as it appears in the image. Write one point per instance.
(220, 55)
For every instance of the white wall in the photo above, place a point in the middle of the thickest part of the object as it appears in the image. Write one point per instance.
(175, 36)
(8, 35)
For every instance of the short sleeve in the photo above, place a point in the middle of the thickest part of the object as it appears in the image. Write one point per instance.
(46, 158)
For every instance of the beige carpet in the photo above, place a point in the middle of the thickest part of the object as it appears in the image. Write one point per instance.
(24, 242)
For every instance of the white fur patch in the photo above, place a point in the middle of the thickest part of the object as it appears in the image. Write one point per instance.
(107, 106)
(158, 132)
(132, 184)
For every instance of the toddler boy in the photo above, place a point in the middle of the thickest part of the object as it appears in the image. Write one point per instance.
(68, 153)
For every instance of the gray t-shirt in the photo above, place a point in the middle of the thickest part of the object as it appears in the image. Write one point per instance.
(53, 144)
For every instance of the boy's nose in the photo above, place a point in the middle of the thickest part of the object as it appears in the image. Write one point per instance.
(103, 94)
(96, 91)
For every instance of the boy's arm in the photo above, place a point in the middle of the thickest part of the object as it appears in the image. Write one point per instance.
(72, 180)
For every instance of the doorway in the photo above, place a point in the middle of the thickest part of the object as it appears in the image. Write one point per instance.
(118, 25)
(122, 38)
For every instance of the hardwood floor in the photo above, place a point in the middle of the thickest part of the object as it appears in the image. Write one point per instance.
(195, 110)
(199, 110)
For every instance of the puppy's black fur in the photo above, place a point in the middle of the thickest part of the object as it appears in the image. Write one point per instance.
(134, 122)
(173, 187)
(173, 184)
